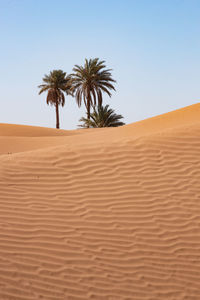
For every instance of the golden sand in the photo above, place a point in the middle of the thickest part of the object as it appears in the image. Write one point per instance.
(101, 214)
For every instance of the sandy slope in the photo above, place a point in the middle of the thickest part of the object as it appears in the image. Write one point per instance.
(21, 138)
(102, 214)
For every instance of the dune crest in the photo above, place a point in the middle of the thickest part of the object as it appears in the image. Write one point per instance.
(103, 214)
(31, 131)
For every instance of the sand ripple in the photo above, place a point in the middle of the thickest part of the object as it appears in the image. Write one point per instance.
(113, 220)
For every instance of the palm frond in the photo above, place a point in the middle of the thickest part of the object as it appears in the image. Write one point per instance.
(56, 84)
(103, 116)
(90, 80)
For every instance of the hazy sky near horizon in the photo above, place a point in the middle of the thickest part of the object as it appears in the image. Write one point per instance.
(153, 47)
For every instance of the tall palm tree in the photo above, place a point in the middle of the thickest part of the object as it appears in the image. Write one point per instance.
(56, 83)
(89, 81)
(103, 116)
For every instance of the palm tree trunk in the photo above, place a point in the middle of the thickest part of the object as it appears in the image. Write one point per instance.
(57, 116)
(88, 111)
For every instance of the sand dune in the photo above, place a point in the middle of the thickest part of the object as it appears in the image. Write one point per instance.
(21, 138)
(101, 214)
(33, 131)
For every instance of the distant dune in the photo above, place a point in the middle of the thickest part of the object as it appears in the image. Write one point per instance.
(99, 214)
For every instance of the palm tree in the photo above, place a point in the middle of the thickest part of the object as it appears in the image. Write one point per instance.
(56, 83)
(102, 117)
(89, 81)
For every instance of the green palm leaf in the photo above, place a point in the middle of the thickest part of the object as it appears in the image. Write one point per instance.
(103, 116)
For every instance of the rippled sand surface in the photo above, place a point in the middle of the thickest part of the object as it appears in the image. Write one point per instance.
(108, 213)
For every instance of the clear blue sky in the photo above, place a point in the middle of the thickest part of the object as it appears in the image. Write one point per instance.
(153, 47)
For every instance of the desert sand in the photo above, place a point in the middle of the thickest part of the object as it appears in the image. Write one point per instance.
(100, 214)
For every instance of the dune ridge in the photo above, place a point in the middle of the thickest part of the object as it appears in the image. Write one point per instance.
(104, 214)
